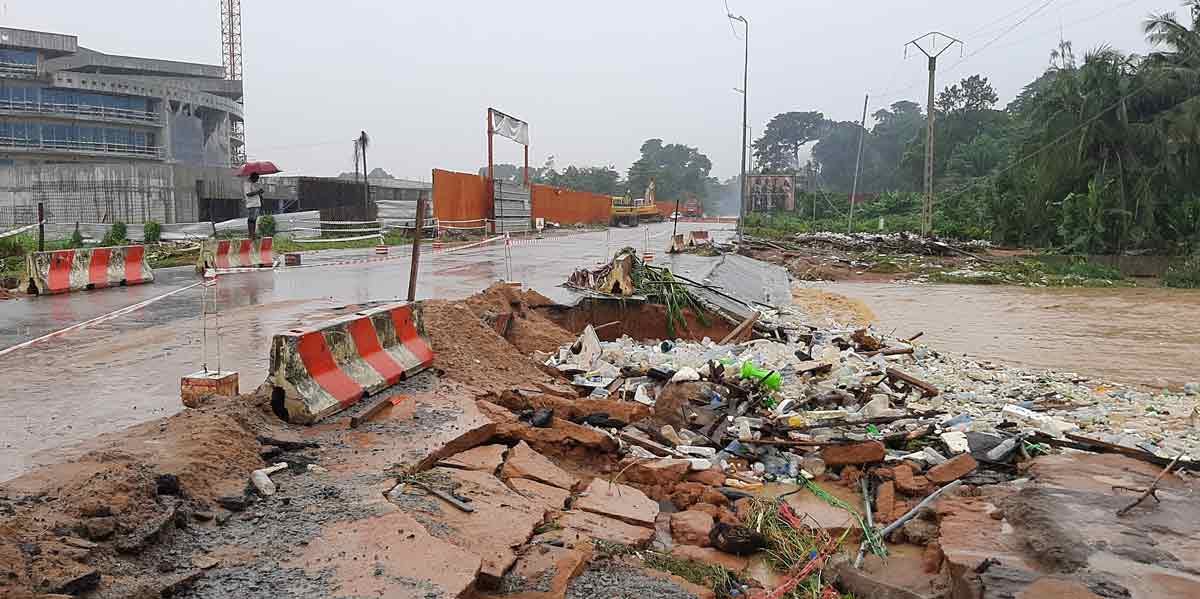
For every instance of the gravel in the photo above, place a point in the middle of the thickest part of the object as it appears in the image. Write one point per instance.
(606, 579)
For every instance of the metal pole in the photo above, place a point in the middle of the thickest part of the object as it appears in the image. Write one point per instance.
(366, 182)
(927, 205)
(41, 227)
(927, 212)
(675, 226)
(857, 164)
(745, 122)
(490, 181)
(418, 228)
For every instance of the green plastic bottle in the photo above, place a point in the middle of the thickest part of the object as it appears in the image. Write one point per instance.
(750, 371)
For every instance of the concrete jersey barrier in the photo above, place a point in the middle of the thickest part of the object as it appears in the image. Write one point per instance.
(322, 370)
(236, 253)
(698, 238)
(63, 271)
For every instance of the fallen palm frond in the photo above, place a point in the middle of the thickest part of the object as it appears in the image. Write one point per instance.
(870, 536)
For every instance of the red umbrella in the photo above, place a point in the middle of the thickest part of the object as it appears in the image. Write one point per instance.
(264, 167)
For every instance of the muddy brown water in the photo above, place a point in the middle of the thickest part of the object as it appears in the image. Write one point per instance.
(1137, 336)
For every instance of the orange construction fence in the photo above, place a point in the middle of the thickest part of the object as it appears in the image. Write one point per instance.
(569, 207)
(461, 197)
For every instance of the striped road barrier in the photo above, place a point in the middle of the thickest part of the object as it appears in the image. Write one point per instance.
(323, 370)
(63, 271)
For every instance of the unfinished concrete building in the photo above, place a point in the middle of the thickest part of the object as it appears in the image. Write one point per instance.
(99, 137)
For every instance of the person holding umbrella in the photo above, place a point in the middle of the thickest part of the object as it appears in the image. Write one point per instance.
(253, 196)
(252, 192)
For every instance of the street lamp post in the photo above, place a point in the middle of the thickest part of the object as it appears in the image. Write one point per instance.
(745, 106)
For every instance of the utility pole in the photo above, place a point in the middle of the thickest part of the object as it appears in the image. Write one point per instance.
(745, 123)
(932, 54)
(363, 142)
(857, 164)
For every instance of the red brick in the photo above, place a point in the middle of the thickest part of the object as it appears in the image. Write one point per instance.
(851, 475)
(885, 502)
(931, 559)
(867, 452)
(909, 484)
(952, 470)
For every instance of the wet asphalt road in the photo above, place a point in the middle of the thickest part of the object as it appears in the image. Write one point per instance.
(125, 370)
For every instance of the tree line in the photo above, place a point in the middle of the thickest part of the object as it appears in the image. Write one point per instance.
(1099, 154)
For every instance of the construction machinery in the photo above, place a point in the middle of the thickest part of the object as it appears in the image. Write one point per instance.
(631, 211)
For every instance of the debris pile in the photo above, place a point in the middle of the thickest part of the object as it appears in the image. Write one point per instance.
(892, 243)
(814, 409)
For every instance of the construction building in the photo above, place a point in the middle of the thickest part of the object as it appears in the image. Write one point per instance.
(99, 137)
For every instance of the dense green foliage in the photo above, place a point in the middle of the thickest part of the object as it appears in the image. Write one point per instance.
(1185, 274)
(118, 234)
(1099, 154)
(265, 226)
(151, 232)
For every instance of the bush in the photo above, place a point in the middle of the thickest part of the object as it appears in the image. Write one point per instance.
(11, 247)
(266, 226)
(1184, 274)
(76, 240)
(117, 235)
(151, 232)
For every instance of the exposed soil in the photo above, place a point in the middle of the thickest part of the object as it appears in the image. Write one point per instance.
(529, 331)
(637, 320)
(473, 353)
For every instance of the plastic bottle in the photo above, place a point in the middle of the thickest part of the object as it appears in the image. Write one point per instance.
(772, 382)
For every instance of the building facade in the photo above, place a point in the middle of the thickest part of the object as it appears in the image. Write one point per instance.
(62, 103)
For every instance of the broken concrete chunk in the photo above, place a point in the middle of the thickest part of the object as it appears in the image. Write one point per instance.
(580, 527)
(956, 441)
(523, 462)
(262, 478)
(700, 452)
(1047, 424)
(618, 501)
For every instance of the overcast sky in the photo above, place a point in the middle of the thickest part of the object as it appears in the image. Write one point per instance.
(594, 80)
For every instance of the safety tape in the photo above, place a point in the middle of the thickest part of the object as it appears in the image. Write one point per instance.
(338, 239)
(278, 264)
(20, 230)
(98, 319)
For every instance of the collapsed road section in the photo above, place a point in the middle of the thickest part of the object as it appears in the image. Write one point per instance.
(668, 435)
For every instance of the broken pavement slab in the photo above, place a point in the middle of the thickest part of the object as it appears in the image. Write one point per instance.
(580, 527)
(389, 556)
(1065, 522)
(618, 501)
(501, 521)
(485, 458)
(542, 572)
(561, 436)
(552, 498)
(523, 462)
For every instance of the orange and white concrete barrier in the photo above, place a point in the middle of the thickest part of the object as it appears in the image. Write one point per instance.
(236, 253)
(698, 238)
(323, 370)
(63, 271)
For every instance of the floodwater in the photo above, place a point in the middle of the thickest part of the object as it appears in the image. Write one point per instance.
(1139, 336)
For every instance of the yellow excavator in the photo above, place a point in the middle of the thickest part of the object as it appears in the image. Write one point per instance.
(628, 211)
